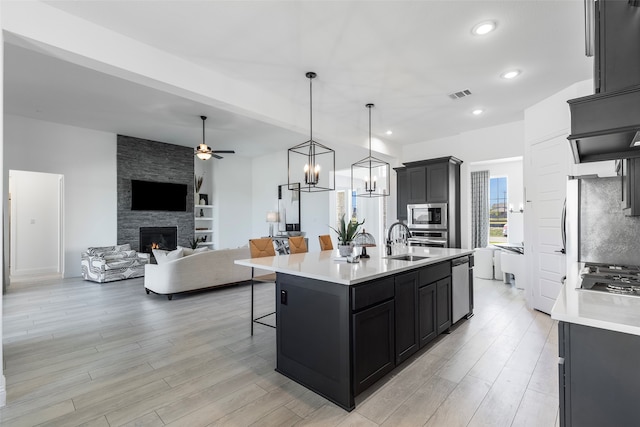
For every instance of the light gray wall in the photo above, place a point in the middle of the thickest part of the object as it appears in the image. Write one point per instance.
(87, 160)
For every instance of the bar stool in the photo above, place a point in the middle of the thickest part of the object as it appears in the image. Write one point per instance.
(297, 245)
(260, 248)
(325, 242)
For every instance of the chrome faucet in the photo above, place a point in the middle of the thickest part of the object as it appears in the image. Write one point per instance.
(398, 233)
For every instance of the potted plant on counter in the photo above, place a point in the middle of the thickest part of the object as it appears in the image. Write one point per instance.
(347, 231)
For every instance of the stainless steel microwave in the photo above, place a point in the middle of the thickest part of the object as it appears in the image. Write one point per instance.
(429, 215)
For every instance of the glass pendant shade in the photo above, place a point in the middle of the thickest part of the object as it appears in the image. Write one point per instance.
(310, 163)
(370, 177)
(364, 240)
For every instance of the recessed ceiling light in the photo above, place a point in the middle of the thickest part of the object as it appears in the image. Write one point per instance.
(477, 112)
(389, 132)
(483, 28)
(512, 74)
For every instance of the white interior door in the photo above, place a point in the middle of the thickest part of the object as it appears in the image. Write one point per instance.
(546, 186)
(36, 223)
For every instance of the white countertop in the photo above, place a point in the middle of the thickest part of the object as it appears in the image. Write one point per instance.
(323, 266)
(602, 310)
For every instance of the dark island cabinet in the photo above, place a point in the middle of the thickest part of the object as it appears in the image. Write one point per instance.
(443, 304)
(598, 377)
(434, 306)
(406, 305)
(373, 344)
(427, 317)
(338, 340)
(373, 323)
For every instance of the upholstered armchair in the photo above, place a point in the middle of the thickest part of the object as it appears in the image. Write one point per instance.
(110, 263)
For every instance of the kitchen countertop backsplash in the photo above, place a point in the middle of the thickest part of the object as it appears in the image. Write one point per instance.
(608, 236)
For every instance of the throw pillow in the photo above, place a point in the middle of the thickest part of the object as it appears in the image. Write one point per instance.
(202, 249)
(186, 251)
(122, 248)
(165, 256)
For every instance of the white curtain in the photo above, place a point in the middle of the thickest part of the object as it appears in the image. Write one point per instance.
(479, 209)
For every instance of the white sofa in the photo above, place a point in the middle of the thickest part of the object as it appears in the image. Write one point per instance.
(202, 270)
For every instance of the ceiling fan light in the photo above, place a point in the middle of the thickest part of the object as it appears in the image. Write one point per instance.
(203, 155)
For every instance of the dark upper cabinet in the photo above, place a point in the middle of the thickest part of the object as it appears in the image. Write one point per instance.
(631, 186)
(437, 183)
(417, 180)
(402, 193)
(617, 55)
(603, 125)
(406, 307)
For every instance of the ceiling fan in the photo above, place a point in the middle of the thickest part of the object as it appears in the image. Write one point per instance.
(204, 152)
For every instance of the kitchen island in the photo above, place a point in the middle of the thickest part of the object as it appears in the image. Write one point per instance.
(598, 348)
(342, 326)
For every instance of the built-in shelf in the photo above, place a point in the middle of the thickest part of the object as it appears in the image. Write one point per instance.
(200, 222)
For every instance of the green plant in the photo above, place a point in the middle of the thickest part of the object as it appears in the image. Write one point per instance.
(347, 230)
(194, 242)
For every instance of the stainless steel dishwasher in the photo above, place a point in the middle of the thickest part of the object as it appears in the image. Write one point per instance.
(461, 291)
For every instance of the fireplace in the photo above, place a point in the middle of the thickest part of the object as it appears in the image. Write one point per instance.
(165, 238)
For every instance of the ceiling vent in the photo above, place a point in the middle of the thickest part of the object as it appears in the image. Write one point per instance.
(461, 94)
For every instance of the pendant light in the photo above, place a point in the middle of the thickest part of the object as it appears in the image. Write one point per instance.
(202, 151)
(310, 163)
(373, 172)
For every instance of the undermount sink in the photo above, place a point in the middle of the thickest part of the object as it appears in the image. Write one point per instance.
(408, 257)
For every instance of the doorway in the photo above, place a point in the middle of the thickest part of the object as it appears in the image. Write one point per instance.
(35, 225)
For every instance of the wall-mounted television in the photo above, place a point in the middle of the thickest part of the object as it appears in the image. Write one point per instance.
(158, 196)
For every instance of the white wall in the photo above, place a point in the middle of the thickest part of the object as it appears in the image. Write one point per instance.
(35, 222)
(492, 143)
(270, 171)
(232, 200)
(87, 160)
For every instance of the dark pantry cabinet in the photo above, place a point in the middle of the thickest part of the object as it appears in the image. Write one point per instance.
(431, 181)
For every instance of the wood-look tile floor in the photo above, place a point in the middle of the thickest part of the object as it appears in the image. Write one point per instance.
(82, 353)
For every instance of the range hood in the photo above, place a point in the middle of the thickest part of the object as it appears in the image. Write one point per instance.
(604, 126)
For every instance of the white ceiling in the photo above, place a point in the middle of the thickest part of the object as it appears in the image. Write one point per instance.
(404, 56)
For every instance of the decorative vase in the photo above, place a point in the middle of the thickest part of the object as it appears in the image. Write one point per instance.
(196, 199)
(345, 250)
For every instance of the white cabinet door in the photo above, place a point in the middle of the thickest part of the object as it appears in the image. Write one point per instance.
(546, 184)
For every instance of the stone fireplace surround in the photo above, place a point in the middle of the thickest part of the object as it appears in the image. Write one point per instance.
(152, 161)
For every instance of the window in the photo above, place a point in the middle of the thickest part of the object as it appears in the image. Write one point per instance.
(498, 203)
